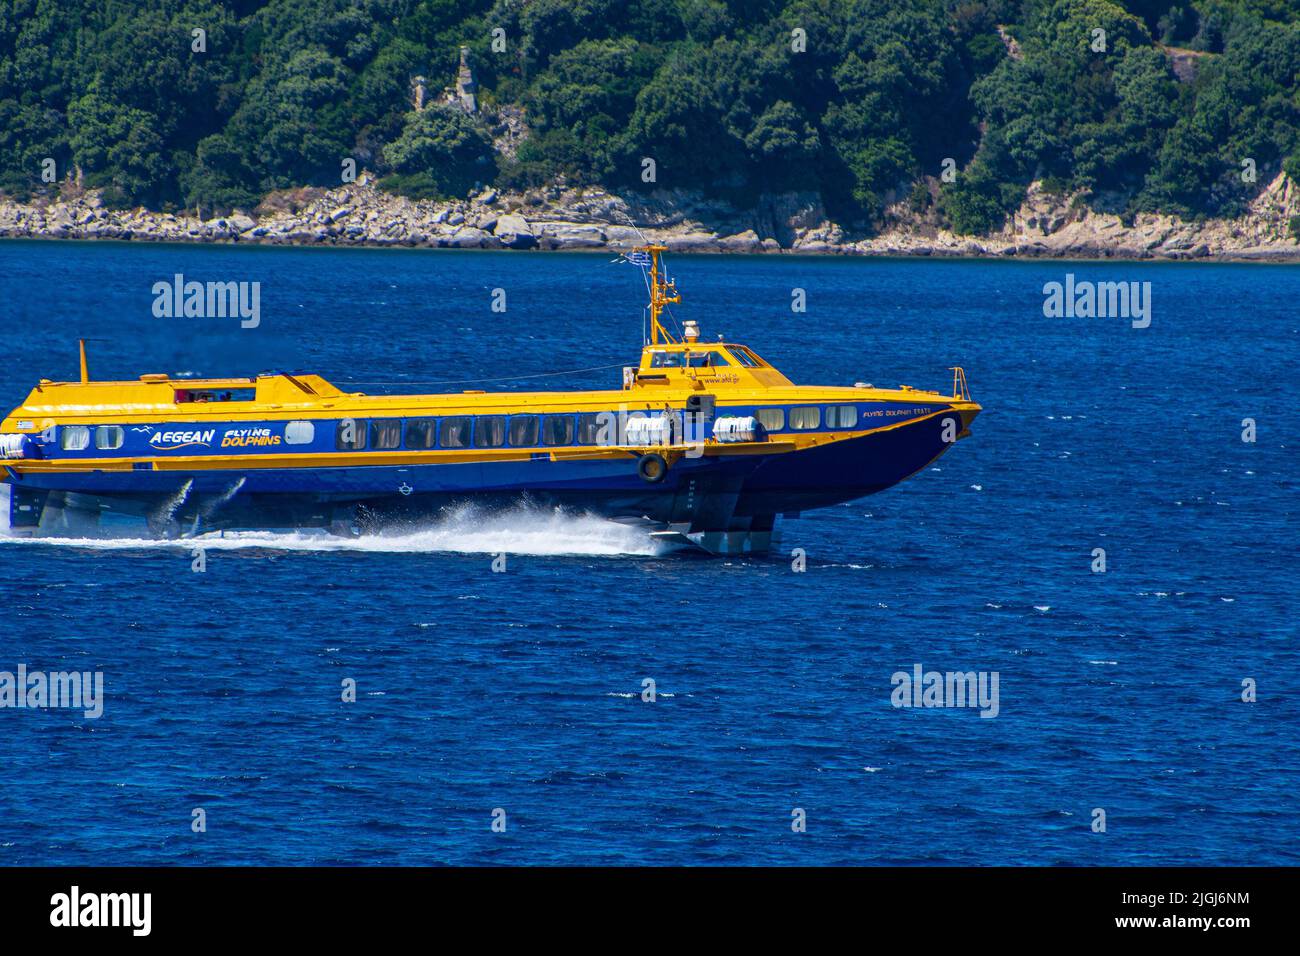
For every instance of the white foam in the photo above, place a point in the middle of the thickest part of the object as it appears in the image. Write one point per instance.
(468, 529)
(5, 492)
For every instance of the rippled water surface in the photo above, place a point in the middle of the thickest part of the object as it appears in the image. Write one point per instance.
(523, 690)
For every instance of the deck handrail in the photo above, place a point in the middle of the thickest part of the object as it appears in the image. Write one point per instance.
(959, 387)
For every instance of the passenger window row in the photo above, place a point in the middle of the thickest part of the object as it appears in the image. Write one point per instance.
(77, 437)
(529, 431)
(475, 431)
(808, 417)
(112, 437)
(481, 431)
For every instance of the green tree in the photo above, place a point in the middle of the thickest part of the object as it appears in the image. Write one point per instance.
(441, 152)
(118, 148)
(291, 117)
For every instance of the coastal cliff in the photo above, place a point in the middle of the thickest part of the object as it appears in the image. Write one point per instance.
(1045, 225)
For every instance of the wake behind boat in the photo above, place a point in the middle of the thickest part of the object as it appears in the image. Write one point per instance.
(704, 443)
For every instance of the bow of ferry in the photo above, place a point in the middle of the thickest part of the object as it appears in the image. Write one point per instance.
(705, 444)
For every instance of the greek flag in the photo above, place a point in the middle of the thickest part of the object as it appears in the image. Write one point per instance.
(641, 259)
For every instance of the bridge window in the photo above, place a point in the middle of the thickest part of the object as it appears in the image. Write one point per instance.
(772, 419)
(706, 359)
(385, 433)
(109, 437)
(74, 437)
(490, 431)
(744, 357)
(523, 430)
(421, 432)
(299, 433)
(350, 435)
(202, 395)
(557, 430)
(809, 416)
(841, 416)
(455, 431)
(666, 359)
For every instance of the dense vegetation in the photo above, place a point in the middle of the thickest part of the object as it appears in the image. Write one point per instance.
(721, 94)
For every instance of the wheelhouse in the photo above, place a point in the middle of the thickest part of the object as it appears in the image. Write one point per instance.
(701, 356)
(686, 363)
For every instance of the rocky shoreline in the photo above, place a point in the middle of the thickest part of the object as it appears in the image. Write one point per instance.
(593, 219)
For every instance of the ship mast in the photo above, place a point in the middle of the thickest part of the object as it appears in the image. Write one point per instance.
(662, 293)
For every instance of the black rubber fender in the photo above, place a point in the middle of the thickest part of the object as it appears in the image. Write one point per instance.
(652, 467)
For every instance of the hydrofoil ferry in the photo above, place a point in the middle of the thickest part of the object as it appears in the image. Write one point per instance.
(704, 443)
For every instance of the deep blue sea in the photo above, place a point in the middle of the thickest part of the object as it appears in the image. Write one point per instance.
(522, 691)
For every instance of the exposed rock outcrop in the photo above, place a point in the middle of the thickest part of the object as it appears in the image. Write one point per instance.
(1010, 42)
(1185, 63)
(1060, 226)
(558, 217)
